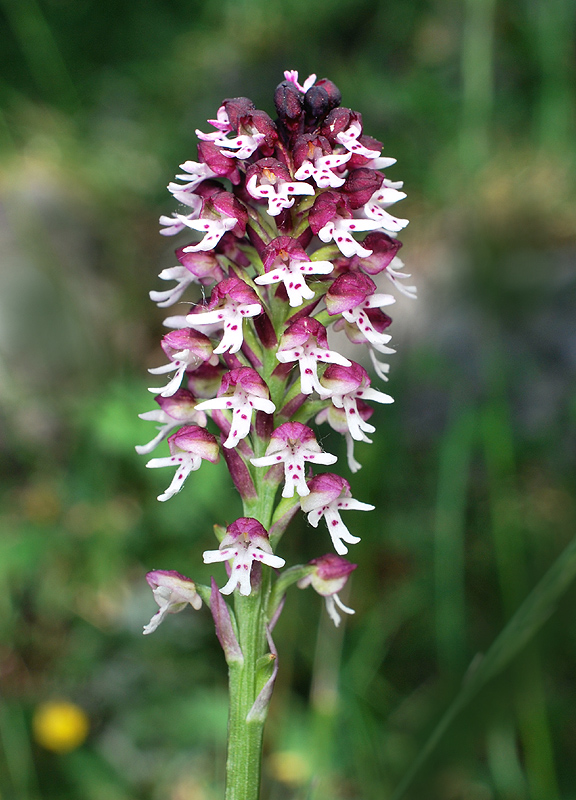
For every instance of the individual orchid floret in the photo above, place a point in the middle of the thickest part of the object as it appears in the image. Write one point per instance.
(244, 145)
(230, 303)
(246, 541)
(221, 212)
(187, 448)
(268, 179)
(186, 349)
(328, 576)
(381, 200)
(291, 75)
(198, 267)
(351, 295)
(293, 444)
(173, 592)
(179, 409)
(242, 392)
(178, 222)
(194, 174)
(285, 260)
(314, 158)
(221, 123)
(345, 387)
(331, 220)
(306, 342)
(329, 495)
(350, 140)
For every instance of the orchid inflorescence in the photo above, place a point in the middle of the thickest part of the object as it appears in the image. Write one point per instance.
(292, 229)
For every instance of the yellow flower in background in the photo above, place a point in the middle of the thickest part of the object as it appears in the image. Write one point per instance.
(60, 726)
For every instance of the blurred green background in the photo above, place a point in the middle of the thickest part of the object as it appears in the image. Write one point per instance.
(472, 469)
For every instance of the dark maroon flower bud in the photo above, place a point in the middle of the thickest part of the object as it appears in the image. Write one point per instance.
(360, 185)
(316, 102)
(333, 92)
(288, 102)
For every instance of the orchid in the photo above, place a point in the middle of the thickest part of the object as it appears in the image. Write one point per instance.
(231, 302)
(290, 233)
(284, 260)
(306, 343)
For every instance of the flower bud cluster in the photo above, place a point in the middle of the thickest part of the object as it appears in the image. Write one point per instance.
(291, 227)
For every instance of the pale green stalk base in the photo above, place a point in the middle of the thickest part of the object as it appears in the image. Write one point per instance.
(246, 679)
(245, 738)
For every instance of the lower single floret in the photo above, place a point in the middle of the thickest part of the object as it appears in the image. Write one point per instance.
(246, 541)
(329, 495)
(187, 447)
(173, 592)
(328, 576)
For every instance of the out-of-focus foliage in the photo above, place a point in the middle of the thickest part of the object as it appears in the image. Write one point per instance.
(472, 469)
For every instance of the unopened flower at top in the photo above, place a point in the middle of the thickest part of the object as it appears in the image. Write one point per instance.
(246, 541)
(173, 592)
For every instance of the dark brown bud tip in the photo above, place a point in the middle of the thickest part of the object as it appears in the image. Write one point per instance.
(334, 94)
(317, 102)
(288, 101)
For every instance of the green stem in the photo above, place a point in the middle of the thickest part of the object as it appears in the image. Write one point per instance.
(246, 679)
(244, 757)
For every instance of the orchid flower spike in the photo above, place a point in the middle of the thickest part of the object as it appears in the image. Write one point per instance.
(246, 541)
(173, 592)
